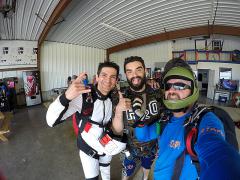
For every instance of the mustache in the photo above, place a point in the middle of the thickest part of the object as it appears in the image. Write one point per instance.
(139, 86)
(173, 96)
(137, 77)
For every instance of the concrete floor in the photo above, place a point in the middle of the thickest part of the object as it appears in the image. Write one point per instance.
(35, 151)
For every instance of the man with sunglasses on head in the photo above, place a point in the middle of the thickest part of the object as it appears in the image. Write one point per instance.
(217, 158)
(146, 105)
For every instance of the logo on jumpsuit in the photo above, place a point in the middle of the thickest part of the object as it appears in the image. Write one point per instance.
(174, 144)
(151, 111)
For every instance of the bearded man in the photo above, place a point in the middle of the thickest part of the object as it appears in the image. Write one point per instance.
(146, 107)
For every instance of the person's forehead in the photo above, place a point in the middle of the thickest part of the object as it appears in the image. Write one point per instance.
(109, 70)
(179, 80)
(133, 65)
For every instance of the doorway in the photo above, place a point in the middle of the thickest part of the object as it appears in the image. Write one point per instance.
(203, 75)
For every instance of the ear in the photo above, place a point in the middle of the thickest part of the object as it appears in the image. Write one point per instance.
(97, 78)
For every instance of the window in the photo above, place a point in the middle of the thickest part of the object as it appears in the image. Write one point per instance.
(225, 73)
(201, 44)
(216, 45)
(5, 50)
(20, 50)
(35, 50)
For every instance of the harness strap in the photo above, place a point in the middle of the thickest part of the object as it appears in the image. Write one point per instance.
(83, 146)
(178, 166)
(190, 141)
(196, 163)
(104, 164)
(94, 122)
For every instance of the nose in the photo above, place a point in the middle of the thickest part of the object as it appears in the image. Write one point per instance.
(135, 74)
(108, 79)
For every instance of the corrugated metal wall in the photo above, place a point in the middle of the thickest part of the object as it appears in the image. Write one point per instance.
(181, 44)
(231, 43)
(158, 52)
(60, 60)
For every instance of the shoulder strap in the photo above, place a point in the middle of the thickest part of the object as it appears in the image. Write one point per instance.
(178, 166)
(191, 125)
(198, 112)
(191, 132)
(86, 112)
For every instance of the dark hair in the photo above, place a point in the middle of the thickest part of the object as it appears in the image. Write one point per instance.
(108, 64)
(69, 78)
(75, 77)
(176, 62)
(133, 59)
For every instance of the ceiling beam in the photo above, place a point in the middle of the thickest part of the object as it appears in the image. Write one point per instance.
(53, 18)
(50, 23)
(18, 69)
(188, 32)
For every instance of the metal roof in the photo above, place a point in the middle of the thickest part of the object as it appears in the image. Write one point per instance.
(107, 23)
(27, 20)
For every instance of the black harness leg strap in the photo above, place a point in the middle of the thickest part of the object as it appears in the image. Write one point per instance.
(104, 164)
(87, 149)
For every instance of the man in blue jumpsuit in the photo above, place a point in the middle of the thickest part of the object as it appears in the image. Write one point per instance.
(217, 158)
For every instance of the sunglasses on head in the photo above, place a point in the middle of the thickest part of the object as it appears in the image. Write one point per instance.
(176, 86)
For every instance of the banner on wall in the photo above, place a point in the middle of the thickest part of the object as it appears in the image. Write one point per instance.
(31, 81)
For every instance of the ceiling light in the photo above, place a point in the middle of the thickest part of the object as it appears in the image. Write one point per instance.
(117, 30)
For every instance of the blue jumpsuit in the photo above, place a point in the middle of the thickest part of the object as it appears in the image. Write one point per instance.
(218, 159)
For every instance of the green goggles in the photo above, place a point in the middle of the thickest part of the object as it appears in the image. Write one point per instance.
(176, 86)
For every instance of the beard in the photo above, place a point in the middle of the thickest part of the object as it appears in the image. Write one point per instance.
(137, 87)
(173, 96)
